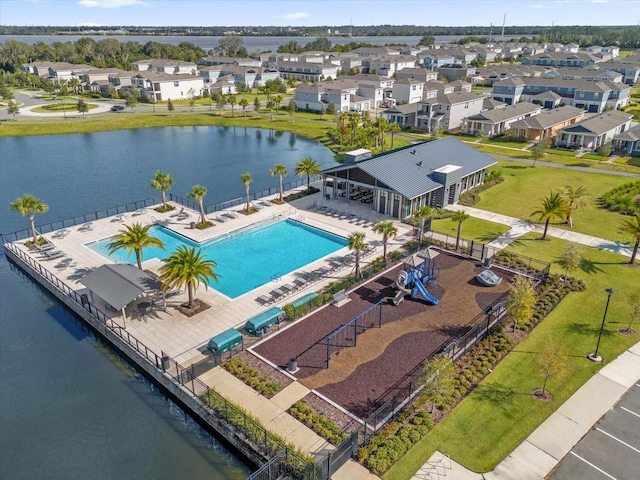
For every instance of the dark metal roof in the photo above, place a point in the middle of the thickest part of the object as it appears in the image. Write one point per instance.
(119, 284)
(408, 170)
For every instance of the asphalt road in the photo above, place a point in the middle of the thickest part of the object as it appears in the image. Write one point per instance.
(611, 450)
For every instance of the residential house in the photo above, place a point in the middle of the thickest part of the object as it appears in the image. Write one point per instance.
(508, 91)
(495, 73)
(97, 79)
(165, 86)
(433, 59)
(390, 64)
(224, 85)
(547, 123)
(628, 142)
(492, 123)
(407, 90)
(447, 111)
(560, 59)
(592, 72)
(344, 94)
(376, 51)
(252, 77)
(456, 71)
(237, 61)
(405, 116)
(629, 69)
(460, 86)
(399, 182)
(594, 131)
(421, 74)
(312, 72)
(160, 65)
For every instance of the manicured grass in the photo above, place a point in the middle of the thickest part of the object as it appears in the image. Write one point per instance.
(525, 187)
(58, 107)
(559, 151)
(498, 415)
(511, 152)
(472, 229)
(497, 143)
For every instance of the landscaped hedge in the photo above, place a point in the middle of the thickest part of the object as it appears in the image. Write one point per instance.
(323, 426)
(624, 198)
(307, 191)
(472, 196)
(251, 376)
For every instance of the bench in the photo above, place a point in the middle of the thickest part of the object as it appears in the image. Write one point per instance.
(340, 298)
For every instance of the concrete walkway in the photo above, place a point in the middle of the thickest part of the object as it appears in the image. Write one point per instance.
(534, 458)
(520, 227)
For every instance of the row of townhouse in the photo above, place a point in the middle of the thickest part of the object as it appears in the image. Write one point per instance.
(593, 96)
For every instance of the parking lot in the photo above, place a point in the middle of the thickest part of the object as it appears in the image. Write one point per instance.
(611, 450)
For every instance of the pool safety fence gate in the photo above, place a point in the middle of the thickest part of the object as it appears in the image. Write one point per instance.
(346, 336)
(223, 416)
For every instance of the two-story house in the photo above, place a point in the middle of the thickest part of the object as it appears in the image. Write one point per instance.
(165, 86)
(312, 72)
(421, 74)
(456, 71)
(447, 111)
(560, 59)
(161, 65)
(407, 90)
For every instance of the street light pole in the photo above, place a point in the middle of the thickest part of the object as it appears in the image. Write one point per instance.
(594, 357)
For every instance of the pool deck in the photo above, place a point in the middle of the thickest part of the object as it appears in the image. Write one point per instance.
(183, 338)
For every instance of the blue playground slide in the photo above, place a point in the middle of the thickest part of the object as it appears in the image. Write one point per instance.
(419, 288)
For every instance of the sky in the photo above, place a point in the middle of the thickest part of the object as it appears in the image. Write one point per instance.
(318, 12)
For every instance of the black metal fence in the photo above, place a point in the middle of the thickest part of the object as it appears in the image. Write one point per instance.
(222, 412)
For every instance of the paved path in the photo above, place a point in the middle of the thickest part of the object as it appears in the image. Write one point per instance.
(520, 227)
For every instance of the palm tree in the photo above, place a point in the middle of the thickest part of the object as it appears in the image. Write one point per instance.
(353, 121)
(382, 125)
(393, 128)
(277, 100)
(576, 199)
(133, 239)
(244, 103)
(28, 206)
(232, 100)
(307, 166)
(162, 182)
(388, 230)
(198, 193)
(187, 267)
(270, 105)
(357, 244)
(553, 206)
(246, 179)
(632, 227)
(74, 84)
(281, 171)
(459, 216)
(421, 215)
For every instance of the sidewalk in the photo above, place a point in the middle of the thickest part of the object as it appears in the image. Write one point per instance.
(520, 227)
(534, 458)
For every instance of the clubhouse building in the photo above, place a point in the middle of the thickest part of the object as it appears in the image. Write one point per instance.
(398, 182)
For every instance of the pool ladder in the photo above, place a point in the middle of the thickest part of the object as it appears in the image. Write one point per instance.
(276, 277)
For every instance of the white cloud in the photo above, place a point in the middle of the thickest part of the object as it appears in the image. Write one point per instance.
(111, 3)
(295, 15)
(536, 6)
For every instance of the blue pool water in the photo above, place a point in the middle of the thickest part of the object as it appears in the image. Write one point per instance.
(245, 259)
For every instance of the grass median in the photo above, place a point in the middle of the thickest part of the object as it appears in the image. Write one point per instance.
(500, 413)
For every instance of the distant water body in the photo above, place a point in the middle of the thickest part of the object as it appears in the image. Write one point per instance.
(252, 44)
(68, 410)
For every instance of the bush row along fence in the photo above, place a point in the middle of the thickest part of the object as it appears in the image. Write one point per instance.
(225, 413)
(132, 207)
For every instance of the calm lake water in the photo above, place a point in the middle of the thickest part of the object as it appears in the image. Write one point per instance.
(69, 409)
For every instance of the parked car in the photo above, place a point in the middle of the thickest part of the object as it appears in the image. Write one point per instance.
(117, 108)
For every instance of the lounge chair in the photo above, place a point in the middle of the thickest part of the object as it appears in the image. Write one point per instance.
(85, 227)
(256, 206)
(52, 255)
(264, 300)
(300, 282)
(45, 248)
(139, 211)
(230, 214)
(220, 218)
(287, 288)
(265, 202)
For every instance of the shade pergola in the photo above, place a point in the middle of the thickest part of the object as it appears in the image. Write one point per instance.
(119, 284)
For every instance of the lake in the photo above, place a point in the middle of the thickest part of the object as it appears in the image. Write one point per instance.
(70, 408)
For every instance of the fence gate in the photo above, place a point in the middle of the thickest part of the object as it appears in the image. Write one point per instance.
(477, 251)
(340, 455)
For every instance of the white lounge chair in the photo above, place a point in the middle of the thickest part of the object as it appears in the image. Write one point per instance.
(230, 214)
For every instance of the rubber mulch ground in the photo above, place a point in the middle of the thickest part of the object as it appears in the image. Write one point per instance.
(362, 377)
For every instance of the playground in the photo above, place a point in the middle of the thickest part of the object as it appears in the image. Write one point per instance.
(390, 340)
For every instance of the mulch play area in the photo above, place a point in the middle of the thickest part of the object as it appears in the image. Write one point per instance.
(411, 331)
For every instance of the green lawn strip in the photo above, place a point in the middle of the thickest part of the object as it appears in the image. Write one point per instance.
(630, 162)
(525, 187)
(559, 151)
(498, 415)
(592, 156)
(58, 107)
(497, 143)
(472, 229)
(502, 151)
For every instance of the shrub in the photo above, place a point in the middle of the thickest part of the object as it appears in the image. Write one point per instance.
(251, 377)
(323, 426)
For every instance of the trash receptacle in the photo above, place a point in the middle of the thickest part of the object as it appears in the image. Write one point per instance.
(293, 365)
(487, 262)
(193, 225)
(328, 196)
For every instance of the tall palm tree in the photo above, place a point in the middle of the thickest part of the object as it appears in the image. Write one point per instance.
(353, 121)
(388, 230)
(358, 245)
(632, 227)
(553, 206)
(281, 171)
(277, 100)
(393, 128)
(28, 205)
(197, 193)
(382, 125)
(134, 238)
(270, 106)
(187, 266)
(576, 199)
(244, 103)
(162, 182)
(421, 215)
(307, 166)
(246, 179)
(459, 216)
(232, 100)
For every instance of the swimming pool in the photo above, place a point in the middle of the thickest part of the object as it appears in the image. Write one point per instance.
(248, 258)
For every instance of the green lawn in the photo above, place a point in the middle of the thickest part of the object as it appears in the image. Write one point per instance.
(71, 107)
(498, 415)
(493, 149)
(472, 229)
(497, 143)
(525, 187)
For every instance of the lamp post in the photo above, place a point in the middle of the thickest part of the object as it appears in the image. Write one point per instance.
(594, 357)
